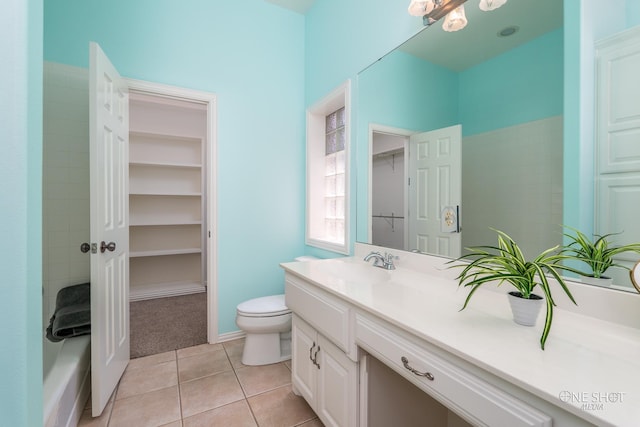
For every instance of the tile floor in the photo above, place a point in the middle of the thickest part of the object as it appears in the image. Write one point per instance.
(205, 385)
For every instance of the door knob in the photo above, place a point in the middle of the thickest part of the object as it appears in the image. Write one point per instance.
(111, 246)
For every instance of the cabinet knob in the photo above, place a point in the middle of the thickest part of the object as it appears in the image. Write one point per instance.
(311, 353)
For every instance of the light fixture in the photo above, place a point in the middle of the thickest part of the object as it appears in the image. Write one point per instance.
(487, 5)
(455, 20)
(420, 7)
(452, 10)
(432, 10)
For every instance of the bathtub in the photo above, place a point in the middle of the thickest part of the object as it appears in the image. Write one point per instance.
(66, 380)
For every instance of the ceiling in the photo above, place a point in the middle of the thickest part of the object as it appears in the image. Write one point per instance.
(300, 6)
(479, 41)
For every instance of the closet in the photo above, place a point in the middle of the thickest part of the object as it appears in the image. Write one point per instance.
(167, 196)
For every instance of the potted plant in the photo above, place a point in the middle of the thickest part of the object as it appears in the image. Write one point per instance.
(506, 263)
(598, 254)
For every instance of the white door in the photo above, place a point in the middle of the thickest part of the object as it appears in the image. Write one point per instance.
(617, 191)
(109, 159)
(303, 346)
(435, 191)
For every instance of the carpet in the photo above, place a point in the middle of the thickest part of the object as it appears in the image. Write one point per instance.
(165, 324)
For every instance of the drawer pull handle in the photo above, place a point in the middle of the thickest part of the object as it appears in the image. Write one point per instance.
(311, 352)
(427, 375)
(315, 358)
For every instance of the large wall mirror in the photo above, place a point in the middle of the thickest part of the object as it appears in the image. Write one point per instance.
(495, 88)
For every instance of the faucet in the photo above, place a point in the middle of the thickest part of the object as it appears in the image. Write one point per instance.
(383, 261)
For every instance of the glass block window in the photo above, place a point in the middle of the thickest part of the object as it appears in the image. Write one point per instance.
(327, 211)
(334, 176)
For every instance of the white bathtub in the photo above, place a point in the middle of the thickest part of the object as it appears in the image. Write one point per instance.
(67, 380)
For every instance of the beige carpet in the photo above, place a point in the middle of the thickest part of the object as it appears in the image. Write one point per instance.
(166, 324)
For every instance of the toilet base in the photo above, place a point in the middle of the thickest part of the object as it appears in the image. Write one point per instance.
(265, 349)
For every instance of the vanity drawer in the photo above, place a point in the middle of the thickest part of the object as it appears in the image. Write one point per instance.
(321, 310)
(474, 399)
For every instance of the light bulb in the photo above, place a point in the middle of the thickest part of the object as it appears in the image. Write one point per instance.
(455, 20)
(420, 7)
(487, 5)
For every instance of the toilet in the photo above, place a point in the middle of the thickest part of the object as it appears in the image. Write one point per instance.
(266, 322)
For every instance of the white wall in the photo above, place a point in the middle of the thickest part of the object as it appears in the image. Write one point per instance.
(65, 204)
(521, 169)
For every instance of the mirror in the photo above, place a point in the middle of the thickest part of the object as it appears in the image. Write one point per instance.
(506, 93)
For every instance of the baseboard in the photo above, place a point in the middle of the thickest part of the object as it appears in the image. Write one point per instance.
(230, 336)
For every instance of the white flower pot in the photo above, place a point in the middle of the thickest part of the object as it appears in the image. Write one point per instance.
(525, 311)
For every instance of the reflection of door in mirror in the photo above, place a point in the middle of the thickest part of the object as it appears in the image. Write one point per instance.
(617, 194)
(434, 186)
(388, 176)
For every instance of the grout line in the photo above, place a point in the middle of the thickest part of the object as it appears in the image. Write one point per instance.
(179, 389)
(246, 399)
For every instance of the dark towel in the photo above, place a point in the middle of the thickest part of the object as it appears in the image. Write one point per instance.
(72, 316)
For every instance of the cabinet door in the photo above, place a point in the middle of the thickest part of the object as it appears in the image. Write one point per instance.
(304, 371)
(337, 403)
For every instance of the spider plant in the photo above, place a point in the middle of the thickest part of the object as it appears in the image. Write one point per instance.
(599, 253)
(506, 263)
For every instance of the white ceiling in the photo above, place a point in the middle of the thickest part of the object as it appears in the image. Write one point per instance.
(478, 41)
(300, 6)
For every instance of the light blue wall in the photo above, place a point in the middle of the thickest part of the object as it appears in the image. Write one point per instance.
(20, 215)
(518, 86)
(254, 62)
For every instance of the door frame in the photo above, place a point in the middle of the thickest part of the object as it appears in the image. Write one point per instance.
(388, 130)
(210, 100)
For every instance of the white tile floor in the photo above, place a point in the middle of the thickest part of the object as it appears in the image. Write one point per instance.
(205, 385)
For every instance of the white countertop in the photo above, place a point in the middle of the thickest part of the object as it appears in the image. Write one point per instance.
(585, 361)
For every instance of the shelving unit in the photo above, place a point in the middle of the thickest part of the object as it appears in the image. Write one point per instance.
(167, 215)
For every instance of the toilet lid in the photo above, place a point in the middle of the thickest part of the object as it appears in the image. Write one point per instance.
(265, 306)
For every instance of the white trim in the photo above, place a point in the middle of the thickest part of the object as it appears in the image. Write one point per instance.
(230, 336)
(210, 101)
(388, 130)
(339, 97)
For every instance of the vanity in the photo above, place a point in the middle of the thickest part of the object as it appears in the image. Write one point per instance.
(372, 347)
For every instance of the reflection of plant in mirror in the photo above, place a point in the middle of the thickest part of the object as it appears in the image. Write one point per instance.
(599, 253)
(506, 263)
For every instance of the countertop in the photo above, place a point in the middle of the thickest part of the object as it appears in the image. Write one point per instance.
(586, 361)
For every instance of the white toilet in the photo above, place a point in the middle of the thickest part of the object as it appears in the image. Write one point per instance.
(266, 322)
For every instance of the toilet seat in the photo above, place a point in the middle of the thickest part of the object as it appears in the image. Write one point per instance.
(269, 306)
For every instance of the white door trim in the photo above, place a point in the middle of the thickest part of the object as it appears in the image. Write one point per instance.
(210, 99)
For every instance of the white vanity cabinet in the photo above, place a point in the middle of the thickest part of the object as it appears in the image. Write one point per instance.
(321, 371)
(472, 398)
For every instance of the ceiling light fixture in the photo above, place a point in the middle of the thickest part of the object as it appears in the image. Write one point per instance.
(452, 10)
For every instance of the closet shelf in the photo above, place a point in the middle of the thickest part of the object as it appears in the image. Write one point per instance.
(152, 223)
(140, 292)
(166, 165)
(166, 194)
(164, 252)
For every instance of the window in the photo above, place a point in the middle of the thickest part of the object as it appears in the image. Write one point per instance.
(328, 172)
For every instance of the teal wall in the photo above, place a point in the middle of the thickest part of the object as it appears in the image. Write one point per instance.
(20, 215)
(518, 86)
(254, 63)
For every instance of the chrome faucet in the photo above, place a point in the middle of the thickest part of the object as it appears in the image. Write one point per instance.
(383, 261)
